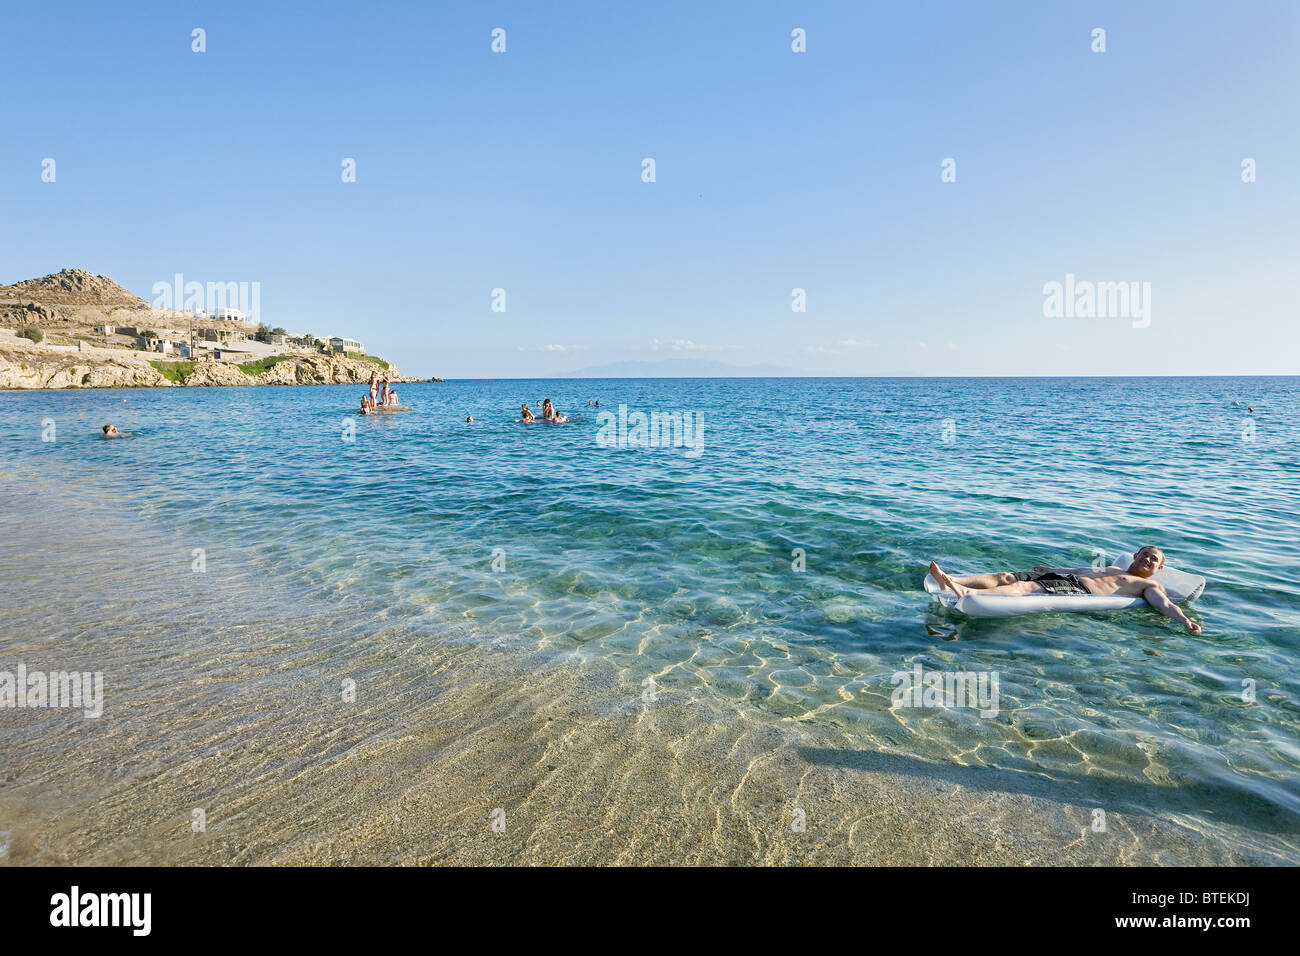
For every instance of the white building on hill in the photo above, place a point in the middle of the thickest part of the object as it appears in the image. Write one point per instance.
(340, 344)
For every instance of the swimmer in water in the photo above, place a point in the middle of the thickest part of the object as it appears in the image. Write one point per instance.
(110, 431)
(550, 414)
(469, 420)
(527, 413)
(1135, 581)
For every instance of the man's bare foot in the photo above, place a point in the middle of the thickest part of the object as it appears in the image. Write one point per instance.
(946, 582)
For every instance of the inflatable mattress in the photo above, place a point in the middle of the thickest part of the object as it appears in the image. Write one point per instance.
(1182, 587)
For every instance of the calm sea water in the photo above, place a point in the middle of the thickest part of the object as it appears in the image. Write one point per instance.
(778, 570)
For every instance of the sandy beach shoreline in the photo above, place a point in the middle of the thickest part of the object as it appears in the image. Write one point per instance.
(228, 697)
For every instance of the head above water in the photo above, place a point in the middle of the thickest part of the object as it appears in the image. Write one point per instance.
(110, 429)
(1147, 561)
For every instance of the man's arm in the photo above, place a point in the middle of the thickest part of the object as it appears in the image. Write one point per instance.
(1155, 596)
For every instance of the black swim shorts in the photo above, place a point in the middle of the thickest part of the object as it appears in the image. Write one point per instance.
(1053, 582)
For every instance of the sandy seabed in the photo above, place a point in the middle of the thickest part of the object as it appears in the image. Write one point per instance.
(226, 693)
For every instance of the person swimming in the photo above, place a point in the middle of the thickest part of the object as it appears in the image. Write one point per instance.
(110, 431)
(1134, 581)
(469, 420)
(527, 413)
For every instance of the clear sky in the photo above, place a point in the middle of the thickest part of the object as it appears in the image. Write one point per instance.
(775, 170)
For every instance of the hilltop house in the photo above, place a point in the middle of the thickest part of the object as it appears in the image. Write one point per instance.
(340, 344)
(223, 315)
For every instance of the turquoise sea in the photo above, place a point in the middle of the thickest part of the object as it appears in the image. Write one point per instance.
(772, 575)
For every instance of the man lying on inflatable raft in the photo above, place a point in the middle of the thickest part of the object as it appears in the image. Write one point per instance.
(1135, 582)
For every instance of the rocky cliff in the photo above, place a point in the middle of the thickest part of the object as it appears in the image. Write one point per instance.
(26, 365)
(294, 370)
(43, 372)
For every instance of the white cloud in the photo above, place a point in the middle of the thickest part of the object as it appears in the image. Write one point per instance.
(681, 345)
(551, 348)
(855, 343)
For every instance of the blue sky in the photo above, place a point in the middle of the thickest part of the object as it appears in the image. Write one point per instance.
(775, 170)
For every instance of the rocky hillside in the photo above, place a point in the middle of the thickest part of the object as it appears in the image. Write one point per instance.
(71, 287)
(26, 365)
(67, 302)
(67, 306)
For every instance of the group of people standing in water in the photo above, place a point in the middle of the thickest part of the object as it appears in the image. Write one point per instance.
(380, 395)
(549, 414)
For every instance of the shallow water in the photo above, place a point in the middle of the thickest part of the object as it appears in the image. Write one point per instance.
(486, 575)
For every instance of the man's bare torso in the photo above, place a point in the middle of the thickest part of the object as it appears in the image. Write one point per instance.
(1110, 581)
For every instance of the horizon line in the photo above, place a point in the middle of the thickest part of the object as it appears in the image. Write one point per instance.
(571, 377)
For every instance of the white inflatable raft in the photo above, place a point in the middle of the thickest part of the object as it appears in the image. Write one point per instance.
(1179, 585)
